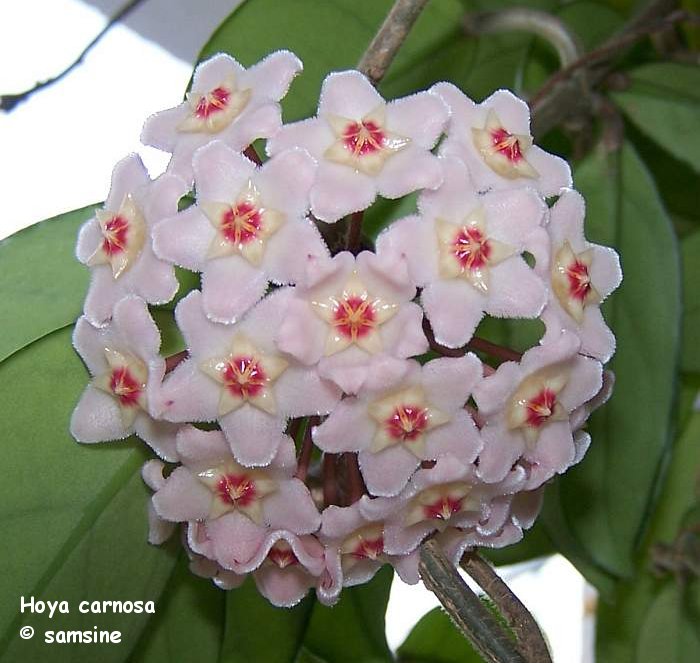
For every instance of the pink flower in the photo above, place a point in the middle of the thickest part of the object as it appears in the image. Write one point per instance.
(493, 139)
(581, 276)
(527, 407)
(126, 371)
(247, 228)
(159, 530)
(448, 495)
(228, 103)
(418, 417)
(116, 243)
(466, 251)
(364, 145)
(239, 507)
(355, 319)
(237, 376)
(355, 549)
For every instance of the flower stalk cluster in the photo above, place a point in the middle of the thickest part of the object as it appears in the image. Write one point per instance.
(330, 414)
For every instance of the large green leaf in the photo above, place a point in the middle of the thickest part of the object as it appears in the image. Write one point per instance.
(662, 100)
(434, 639)
(74, 516)
(607, 497)
(690, 251)
(42, 285)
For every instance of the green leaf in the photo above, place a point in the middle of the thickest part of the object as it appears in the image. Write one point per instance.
(42, 285)
(257, 631)
(606, 499)
(353, 630)
(690, 252)
(434, 639)
(662, 100)
(189, 623)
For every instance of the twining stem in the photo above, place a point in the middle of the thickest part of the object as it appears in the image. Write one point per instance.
(392, 33)
(476, 343)
(9, 101)
(465, 608)
(519, 618)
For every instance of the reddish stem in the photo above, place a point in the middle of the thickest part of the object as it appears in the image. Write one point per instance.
(307, 447)
(330, 483)
(173, 361)
(355, 232)
(252, 155)
(356, 483)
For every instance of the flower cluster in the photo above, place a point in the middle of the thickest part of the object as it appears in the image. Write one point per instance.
(328, 415)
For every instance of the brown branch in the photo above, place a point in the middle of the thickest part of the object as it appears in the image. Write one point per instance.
(9, 101)
(173, 361)
(519, 618)
(307, 447)
(356, 483)
(252, 155)
(354, 240)
(330, 484)
(465, 608)
(392, 33)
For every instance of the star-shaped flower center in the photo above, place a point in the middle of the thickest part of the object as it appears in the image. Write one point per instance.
(125, 380)
(571, 281)
(354, 317)
(503, 151)
(366, 543)
(404, 417)
(215, 109)
(246, 375)
(123, 237)
(242, 226)
(439, 503)
(363, 144)
(237, 488)
(467, 251)
(535, 403)
(282, 555)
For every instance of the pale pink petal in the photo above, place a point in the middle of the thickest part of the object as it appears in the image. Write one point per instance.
(331, 581)
(160, 129)
(152, 279)
(606, 273)
(499, 512)
(134, 324)
(103, 293)
(585, 382)
(582, 440)
(400, 540)
(159, 530)
(220, 173)
(97, 418)
(449, 381)
(340, 190)
(197, 447)
(361, 572)
(597, 340)
(379, 508)
(455, 197)
(212, 72)
(526, 507)
(291, 507)
(387, 472)
(184, 147)
(187, 394)
(152, 474)
(454, 309)
(409, 170)
(89, 343)
(283, 588)
(347, 429)
(501, 449)
(512, 215)
(159, 435)
(257, 122)
(272, 76)
(313, 135)
(89, 237)
(403, 335)
(285, 181)
(553, 453)
(554, 172)
(337, 522)
(415, 241)
(385, 371)
(254, 435)
(292, 249)
(302, 333)
(492, 392)
(421, 117)
(563, 348)
(230, 287)
(515, 291)
(349, 369)
(184, 239)
(407, 567)
(459, 437)
(348, 94)
(162, 197)
(385, 277)
(235, 539)
(228, 579)
(204, 338)
(128, 176)
(307, 549)
(183, 497)
(300, 391)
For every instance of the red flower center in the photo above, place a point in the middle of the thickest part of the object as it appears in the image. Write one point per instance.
(369, 548)
(354, 317)
(212, 103)
(282, 555)
(506, 144)
(240, 224)
(443, 509)
(236, 489)
(125, 386)
(579, 280)
(541, 407)
(407, 422)
(244, 377)
(115, 235)
(471, 248)
(363, 138)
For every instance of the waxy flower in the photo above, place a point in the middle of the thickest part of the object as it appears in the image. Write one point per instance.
(582, 275)
(355, 548)
(116, 243)
(365, 145)
(237, 376)
(126, 372)
(247, 227)
(493, 139)
(159, 530)
(227, 102)
(353, 316)
(418, 417)
(465, 250)
(448, 495)
(527, 408)
(238, 506)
